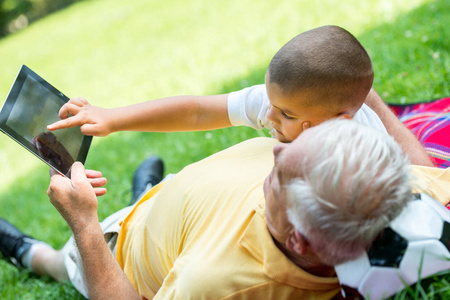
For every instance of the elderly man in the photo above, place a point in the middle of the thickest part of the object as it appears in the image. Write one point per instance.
(222, 228)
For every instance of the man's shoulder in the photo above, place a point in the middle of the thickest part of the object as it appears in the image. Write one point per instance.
(260, 146)
(263, 142)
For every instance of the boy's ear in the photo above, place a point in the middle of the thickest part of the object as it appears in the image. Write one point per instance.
(343, 116)
(306, 125)
(297, 242)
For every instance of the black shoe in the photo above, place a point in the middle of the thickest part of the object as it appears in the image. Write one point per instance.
(148, 174)
(13, 243)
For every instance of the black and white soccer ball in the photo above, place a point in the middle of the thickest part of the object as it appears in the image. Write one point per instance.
(415, 245)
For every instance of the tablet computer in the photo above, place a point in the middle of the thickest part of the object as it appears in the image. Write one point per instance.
(31, 105)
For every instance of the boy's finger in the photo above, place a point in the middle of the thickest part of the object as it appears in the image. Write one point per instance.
(68, 109)
(66, 123)
(57, 125)
(78, 101)
(90, 129)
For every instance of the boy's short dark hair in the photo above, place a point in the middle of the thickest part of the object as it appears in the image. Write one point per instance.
(327, 63)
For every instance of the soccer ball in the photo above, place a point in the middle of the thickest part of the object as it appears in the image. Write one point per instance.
(415, 245)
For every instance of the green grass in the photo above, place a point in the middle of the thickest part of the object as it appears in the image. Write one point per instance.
(116, 53)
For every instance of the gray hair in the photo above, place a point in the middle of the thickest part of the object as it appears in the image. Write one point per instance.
(351, 184)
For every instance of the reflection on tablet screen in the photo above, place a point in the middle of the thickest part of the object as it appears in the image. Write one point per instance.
(52, 151)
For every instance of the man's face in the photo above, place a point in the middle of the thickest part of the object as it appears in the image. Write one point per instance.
(289, 116)
(285, 168)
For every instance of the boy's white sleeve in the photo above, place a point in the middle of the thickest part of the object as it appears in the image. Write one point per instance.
(367, 116)
(249, 107)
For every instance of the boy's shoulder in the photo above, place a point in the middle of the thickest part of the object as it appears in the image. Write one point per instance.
(367, 116)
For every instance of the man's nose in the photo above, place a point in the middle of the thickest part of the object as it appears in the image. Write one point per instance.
(278, 149)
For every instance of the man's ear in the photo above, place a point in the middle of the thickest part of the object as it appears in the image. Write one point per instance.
(297, 242)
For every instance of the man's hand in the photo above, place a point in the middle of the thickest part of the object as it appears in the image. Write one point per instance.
(93, 120)
(76, 198)
(76, 201)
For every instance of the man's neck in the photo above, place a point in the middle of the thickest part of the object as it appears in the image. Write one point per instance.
(308, 262)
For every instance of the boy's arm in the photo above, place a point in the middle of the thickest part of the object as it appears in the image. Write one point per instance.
(180, 113)
(410, 145)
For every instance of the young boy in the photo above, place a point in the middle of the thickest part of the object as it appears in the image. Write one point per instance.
(320, 74)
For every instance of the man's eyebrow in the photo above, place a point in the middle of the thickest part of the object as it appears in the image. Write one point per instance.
(279, 172)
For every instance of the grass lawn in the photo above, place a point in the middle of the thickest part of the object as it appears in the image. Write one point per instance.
(121, 52)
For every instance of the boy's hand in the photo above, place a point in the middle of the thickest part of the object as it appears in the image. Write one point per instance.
(93, 120)
(76, 198)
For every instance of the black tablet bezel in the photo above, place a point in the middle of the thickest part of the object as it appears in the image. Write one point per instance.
(9, 103)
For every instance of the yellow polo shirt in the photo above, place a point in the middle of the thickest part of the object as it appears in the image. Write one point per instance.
(203, 235)
(434, 182)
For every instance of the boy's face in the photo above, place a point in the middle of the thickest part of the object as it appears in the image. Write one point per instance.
(289, 117)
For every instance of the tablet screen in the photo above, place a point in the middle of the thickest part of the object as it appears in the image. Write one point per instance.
(31, 105)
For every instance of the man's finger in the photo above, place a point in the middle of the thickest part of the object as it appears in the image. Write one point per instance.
(93, 174)
(100, 191)
(97, 182)
(78, 173)
(56, 183)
